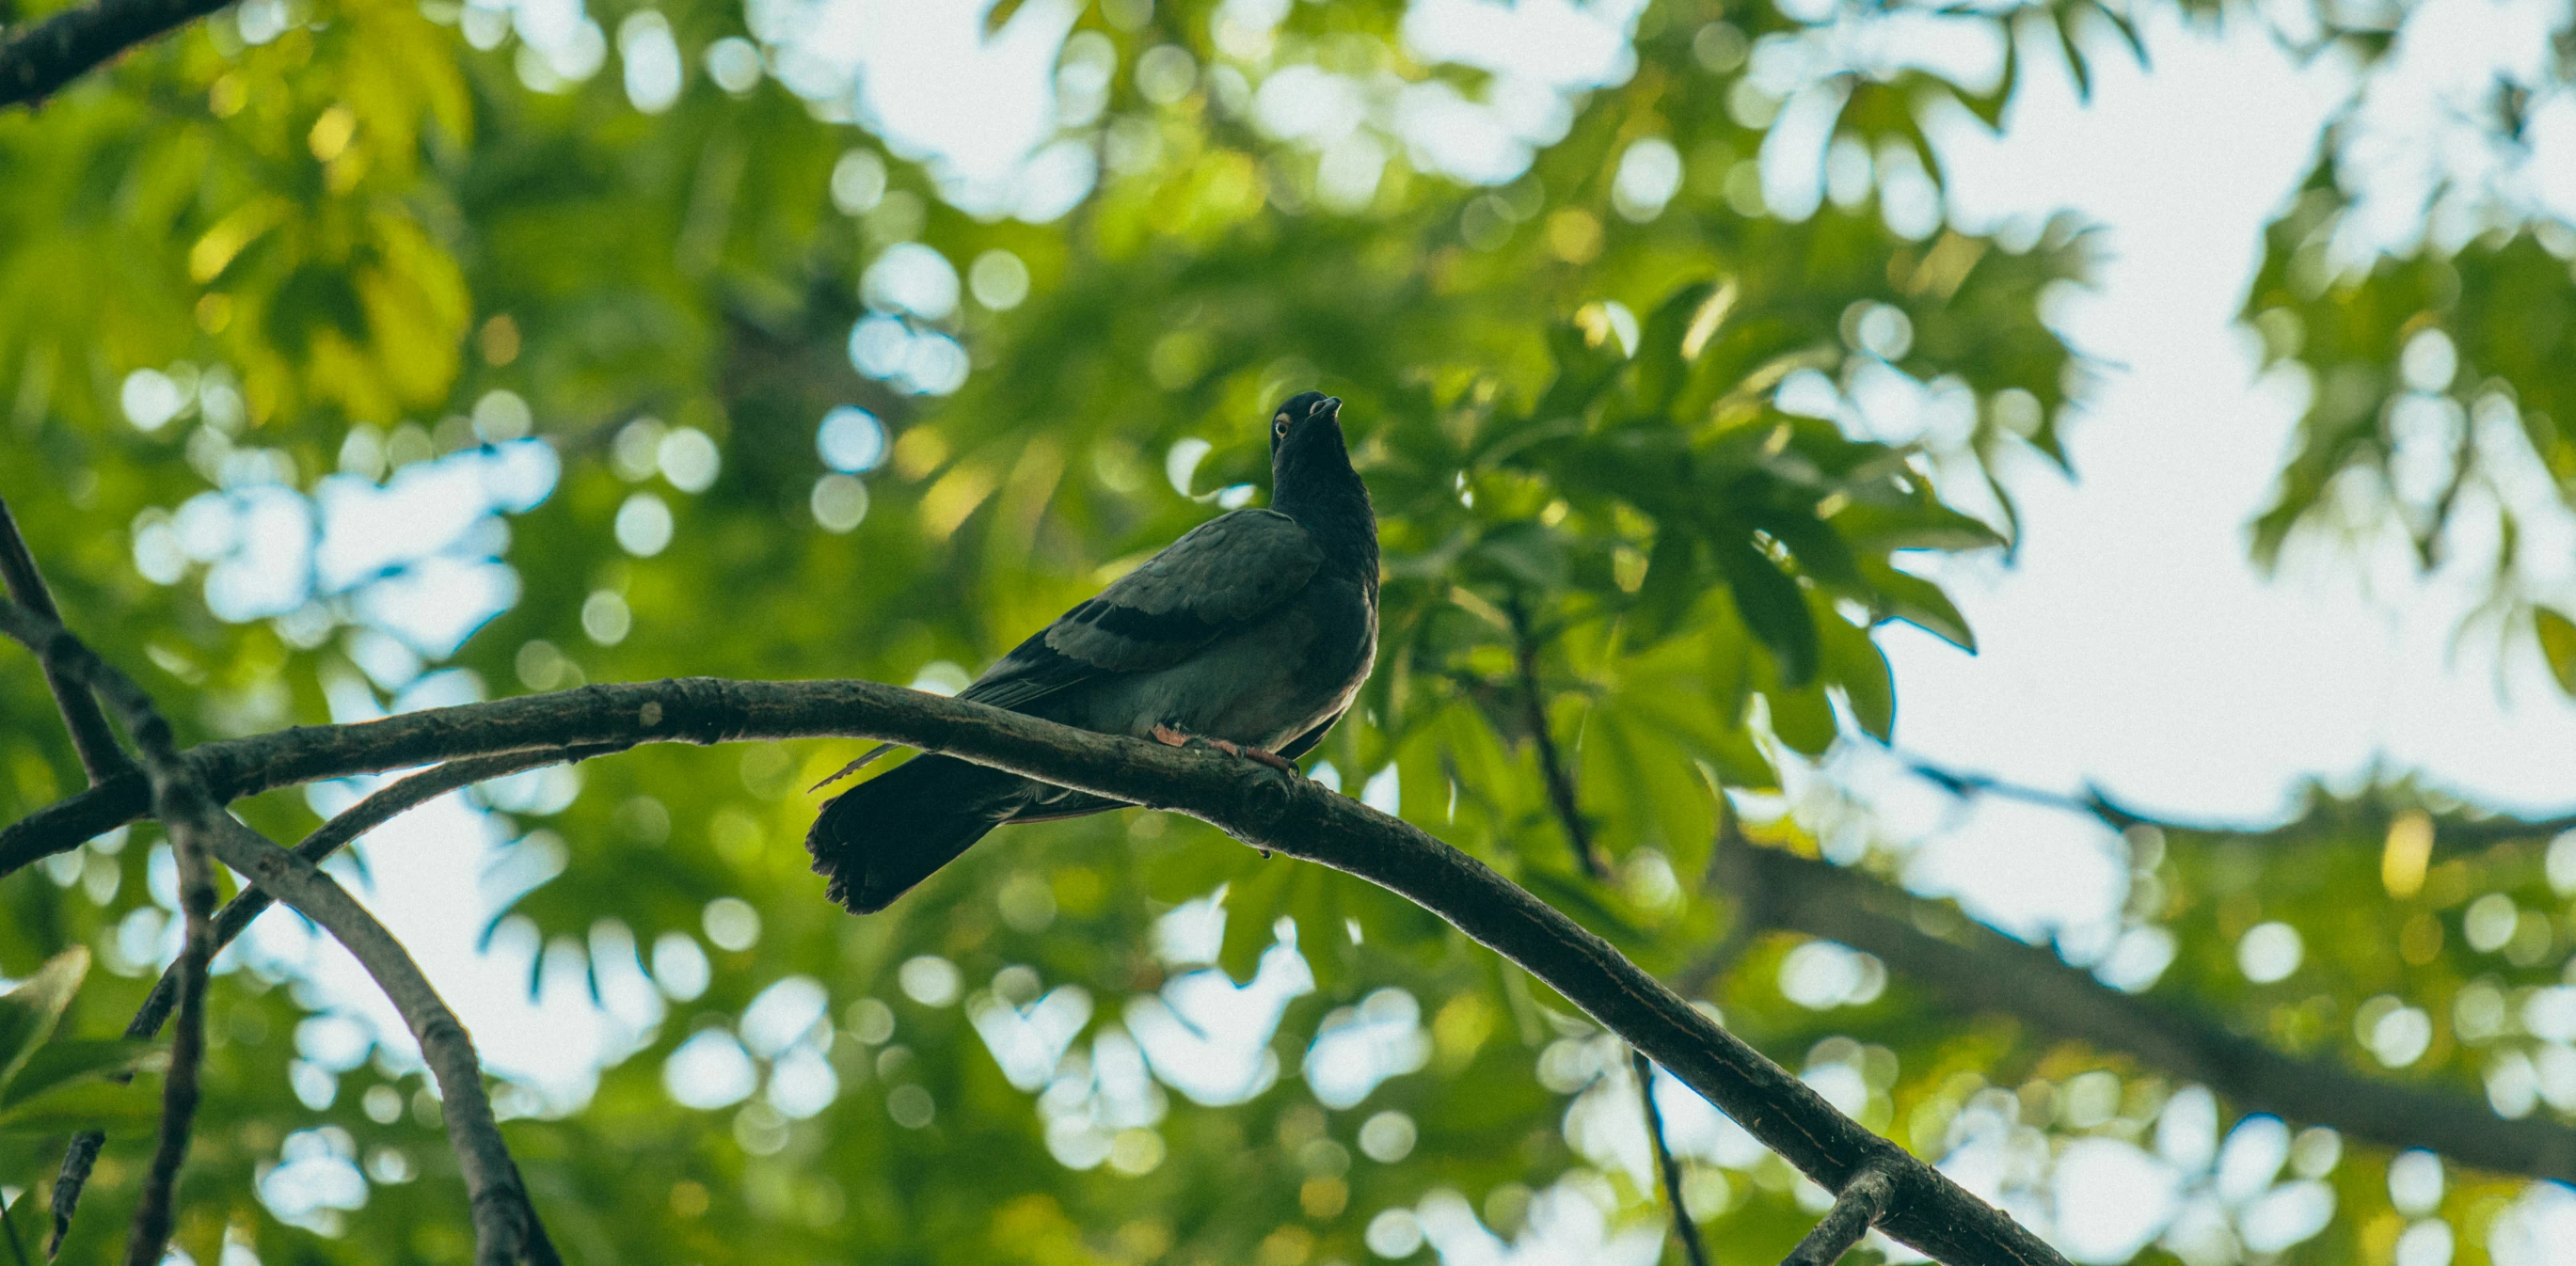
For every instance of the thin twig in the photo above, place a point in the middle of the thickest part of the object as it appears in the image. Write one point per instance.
(91, 737)
(1560, 784)
(236, 917)
(2323, 819)
(1862, 1203)
(1684, 1228)
(37, 62)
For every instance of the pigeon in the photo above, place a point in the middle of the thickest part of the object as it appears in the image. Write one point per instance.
(1250, 634)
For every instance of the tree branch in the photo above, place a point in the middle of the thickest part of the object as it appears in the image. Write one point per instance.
(236, 917)
(506, 1229)
(188, 814)
(1298, 817)
(1976, 968)
(506, 1226)
(1684, 1229)
(62, 48)
(2324, 818)
(1560, 785)
(1856, 1209)
(91, 736)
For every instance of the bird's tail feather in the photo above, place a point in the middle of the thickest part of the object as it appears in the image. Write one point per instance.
(878, 839)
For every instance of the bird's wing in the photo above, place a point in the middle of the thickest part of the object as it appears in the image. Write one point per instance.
(1307, 741)
(1225, 572)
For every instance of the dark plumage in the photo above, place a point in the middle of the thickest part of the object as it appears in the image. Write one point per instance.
(1253, 630)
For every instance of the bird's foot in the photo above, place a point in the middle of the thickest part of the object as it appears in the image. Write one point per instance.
(1171, 737)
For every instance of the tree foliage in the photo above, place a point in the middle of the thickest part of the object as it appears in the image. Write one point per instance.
(362, 356)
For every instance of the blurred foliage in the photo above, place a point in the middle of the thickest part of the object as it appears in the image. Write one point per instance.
(307, 274)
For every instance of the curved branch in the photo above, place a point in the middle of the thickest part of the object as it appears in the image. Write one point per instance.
(1977, 968)
(38, 61)
(506, 1229)
(236, 917)
(1263, 807)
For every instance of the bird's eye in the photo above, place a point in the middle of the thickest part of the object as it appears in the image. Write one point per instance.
(1279, 426)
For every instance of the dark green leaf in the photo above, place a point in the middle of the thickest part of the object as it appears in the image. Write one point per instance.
(2558, 646)
(1773, 608)
(29, 1012)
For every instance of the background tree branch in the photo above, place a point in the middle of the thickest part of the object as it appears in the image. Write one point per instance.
(34, 63)
(1298, 817)
(506, 1228)
(1977, 968)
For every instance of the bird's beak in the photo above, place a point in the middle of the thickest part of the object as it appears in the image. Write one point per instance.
(1333, 406)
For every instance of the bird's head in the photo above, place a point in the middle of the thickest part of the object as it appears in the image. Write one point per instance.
(1305, 421)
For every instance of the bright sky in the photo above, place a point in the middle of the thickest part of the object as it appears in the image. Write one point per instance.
(2129, 644)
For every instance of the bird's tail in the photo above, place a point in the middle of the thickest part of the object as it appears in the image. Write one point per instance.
(878, 839)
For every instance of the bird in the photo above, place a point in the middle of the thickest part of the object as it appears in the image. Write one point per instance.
(1252, 633)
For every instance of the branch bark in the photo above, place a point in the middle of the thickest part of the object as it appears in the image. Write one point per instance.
(36, 62)
(1855, 1211)
(506, 1230)
(1976, 968)
(1262, 807)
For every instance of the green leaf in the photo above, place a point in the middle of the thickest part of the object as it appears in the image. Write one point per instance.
(1918, 602)
(2128, 30)
(1872, 526)
(2074, 56)
(1662, 370)
(1672, 583)
(1583, 369)
(1252, 910)
(1854, 662)
(1773, 608)
(1000, 15)
(29, 1013)
(1804, 719)
(1524, 554)
(1989, 106)
(61, 1062)
(115, 1108)
(2558, 646)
